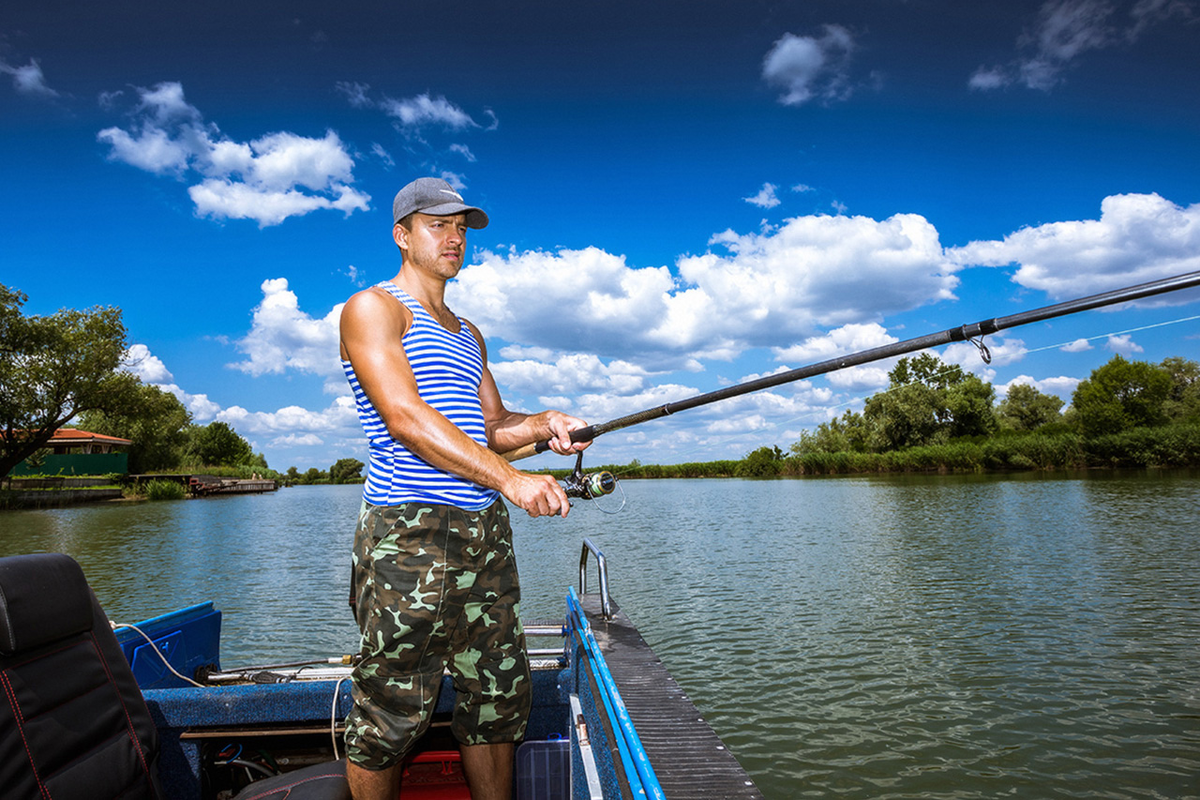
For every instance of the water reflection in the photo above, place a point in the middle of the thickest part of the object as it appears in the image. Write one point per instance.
(869, 637)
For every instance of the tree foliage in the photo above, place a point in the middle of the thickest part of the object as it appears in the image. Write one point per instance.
(928, 402)
(765, 462)
(1027, 409)
(54, 368)
(218, 445)
(155, 421)
(1183, 401)
(346, 470)
(1121, 395)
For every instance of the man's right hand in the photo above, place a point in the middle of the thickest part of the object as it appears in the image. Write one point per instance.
(539, 495)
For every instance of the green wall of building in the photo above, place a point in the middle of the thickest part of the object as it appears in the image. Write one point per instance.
(77, 464)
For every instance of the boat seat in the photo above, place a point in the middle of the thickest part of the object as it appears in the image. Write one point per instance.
(73, 723)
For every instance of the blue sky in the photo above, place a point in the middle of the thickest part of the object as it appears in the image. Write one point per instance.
(683, 195)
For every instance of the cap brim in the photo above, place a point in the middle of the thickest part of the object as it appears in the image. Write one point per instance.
(475, 216)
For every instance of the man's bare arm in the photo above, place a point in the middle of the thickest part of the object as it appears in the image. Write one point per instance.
(371, 326)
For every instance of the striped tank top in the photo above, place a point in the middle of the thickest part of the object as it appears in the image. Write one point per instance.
(448, 368)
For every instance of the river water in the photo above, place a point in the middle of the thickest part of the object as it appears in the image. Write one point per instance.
(1033, 636)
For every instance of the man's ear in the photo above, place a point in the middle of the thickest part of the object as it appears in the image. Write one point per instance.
(400, 236)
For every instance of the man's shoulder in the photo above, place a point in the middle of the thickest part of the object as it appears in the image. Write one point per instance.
(376, 304)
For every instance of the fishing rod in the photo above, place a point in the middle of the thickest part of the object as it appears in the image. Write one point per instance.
(963, 333)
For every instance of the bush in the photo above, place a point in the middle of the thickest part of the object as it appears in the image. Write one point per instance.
(165, 490)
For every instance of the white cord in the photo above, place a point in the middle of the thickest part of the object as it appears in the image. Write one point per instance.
(337, 688)
(116, 625)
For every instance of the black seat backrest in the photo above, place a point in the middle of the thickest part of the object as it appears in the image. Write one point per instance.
(73, 724)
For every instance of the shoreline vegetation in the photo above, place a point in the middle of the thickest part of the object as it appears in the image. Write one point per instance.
(1165, 447)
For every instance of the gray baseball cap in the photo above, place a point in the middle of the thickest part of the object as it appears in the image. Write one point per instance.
(435, 197)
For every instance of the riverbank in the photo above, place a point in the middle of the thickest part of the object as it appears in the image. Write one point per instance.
(54, 492)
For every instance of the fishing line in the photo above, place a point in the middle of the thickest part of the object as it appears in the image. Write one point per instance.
(1115, 333)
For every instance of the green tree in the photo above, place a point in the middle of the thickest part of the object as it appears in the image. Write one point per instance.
(928, 401)
(765, 462)
(849, 433)
(1027, 409)
(346, 470)
(53, 368)
(1121, 395)
(155, 421)
(1183, 402)
(217, 445)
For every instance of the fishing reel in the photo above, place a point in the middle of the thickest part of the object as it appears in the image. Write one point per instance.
(588, 485)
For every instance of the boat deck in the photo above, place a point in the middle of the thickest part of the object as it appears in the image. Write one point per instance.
(687, 755)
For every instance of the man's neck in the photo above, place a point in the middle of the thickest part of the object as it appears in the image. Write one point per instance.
(428, 290)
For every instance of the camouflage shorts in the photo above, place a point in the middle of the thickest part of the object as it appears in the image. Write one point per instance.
(436, 590)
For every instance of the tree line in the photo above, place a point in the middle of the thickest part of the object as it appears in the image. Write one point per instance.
(67, 368)
(937, 417)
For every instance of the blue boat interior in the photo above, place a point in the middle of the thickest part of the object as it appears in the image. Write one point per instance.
(150, 711)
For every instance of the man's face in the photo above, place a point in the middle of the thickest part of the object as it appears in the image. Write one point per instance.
(437, 244)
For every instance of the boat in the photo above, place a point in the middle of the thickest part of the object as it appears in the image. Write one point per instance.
(608, 720)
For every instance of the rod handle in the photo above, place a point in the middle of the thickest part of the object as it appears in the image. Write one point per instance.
(584, 434)
(525, 451)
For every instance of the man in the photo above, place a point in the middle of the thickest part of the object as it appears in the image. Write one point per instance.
(434, 574)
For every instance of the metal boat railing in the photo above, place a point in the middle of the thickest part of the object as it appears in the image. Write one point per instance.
(606, 606)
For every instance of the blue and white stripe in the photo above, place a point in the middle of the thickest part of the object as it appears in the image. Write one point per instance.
(448, 368)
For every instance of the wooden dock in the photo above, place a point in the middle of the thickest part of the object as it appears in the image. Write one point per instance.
(210, 485)
(206, 485)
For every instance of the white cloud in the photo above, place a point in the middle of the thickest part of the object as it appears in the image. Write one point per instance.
(456, 180)
(811, 272)
(1124, 345)
(1138, 238)
(986, 78)
(282, 338)
(146, 366)
(382, 154)
(1077, 346)
(1065, 30)
(463, 151)
(269, 179)
(294, 425)
(810, 67)
(411, 114)
(202, 409)
(423, 110)
(765, 198)
(356, 93)
(568, 375)
(845, 340)
(28, 79)
(819, 271)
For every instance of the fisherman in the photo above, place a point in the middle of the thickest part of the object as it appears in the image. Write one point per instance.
(434, 575)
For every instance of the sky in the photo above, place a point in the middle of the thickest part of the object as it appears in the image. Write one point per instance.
(683, 195)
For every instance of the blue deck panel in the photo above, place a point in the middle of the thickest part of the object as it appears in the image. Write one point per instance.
(189, 639)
